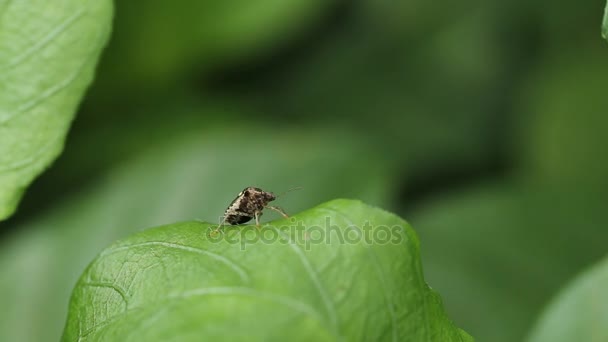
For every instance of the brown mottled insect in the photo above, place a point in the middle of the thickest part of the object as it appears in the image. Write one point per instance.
(248, 205)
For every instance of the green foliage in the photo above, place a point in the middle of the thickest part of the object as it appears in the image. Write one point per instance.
(579, 312)
(510, 259)
(193, 175)
(48, 52)
(513, 234)
(179, 282)
(564, 133)
(481, 122)
(372, 76)
(172, 39)
(605, 23)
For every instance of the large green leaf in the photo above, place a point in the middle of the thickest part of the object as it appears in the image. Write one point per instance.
(326, 274)
(195, 176)
(579, 312)
(48, 52)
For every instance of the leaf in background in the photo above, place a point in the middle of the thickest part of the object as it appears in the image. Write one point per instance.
(178, 179)
(563, 128)
(506, 250)
(372, 74)
(579, 312)
(605, 23)
(176, 283)
(171, 40)
(48, 52)
(133, 129)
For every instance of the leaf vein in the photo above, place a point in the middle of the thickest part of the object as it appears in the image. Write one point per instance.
(50, 92)
(58, 30)
(378, 269)
(114, 287)
(226, 291)
(331, 311)
(20, 164)
(231, 264)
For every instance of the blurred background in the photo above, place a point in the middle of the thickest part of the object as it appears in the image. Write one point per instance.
(482, 123)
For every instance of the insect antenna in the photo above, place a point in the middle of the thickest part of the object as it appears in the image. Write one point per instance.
(290, 190)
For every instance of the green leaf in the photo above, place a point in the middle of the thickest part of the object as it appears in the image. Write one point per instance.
(178, 178)
(605, 23)
(284, 282)
(48, 52)
(335, 83)
(563, 128)
(579, 312)
(171, 40)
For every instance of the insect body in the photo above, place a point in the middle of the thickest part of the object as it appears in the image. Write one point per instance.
(248, 205)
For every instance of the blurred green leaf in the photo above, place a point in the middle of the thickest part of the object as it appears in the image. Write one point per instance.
(133, 129)
(171, 40)
(280, 283)
(371, 74)
(563, 128)
(579, 312)
(48, 52)
(519, 241)
(605, 23)
(195, 176)
(506, 249)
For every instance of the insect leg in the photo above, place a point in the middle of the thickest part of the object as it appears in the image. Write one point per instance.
(217, 230)
(279, 210)
(257, 215)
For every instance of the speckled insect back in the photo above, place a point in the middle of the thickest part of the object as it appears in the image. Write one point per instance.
(249, 204)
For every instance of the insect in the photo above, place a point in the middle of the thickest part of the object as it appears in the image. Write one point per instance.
(249, 204)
